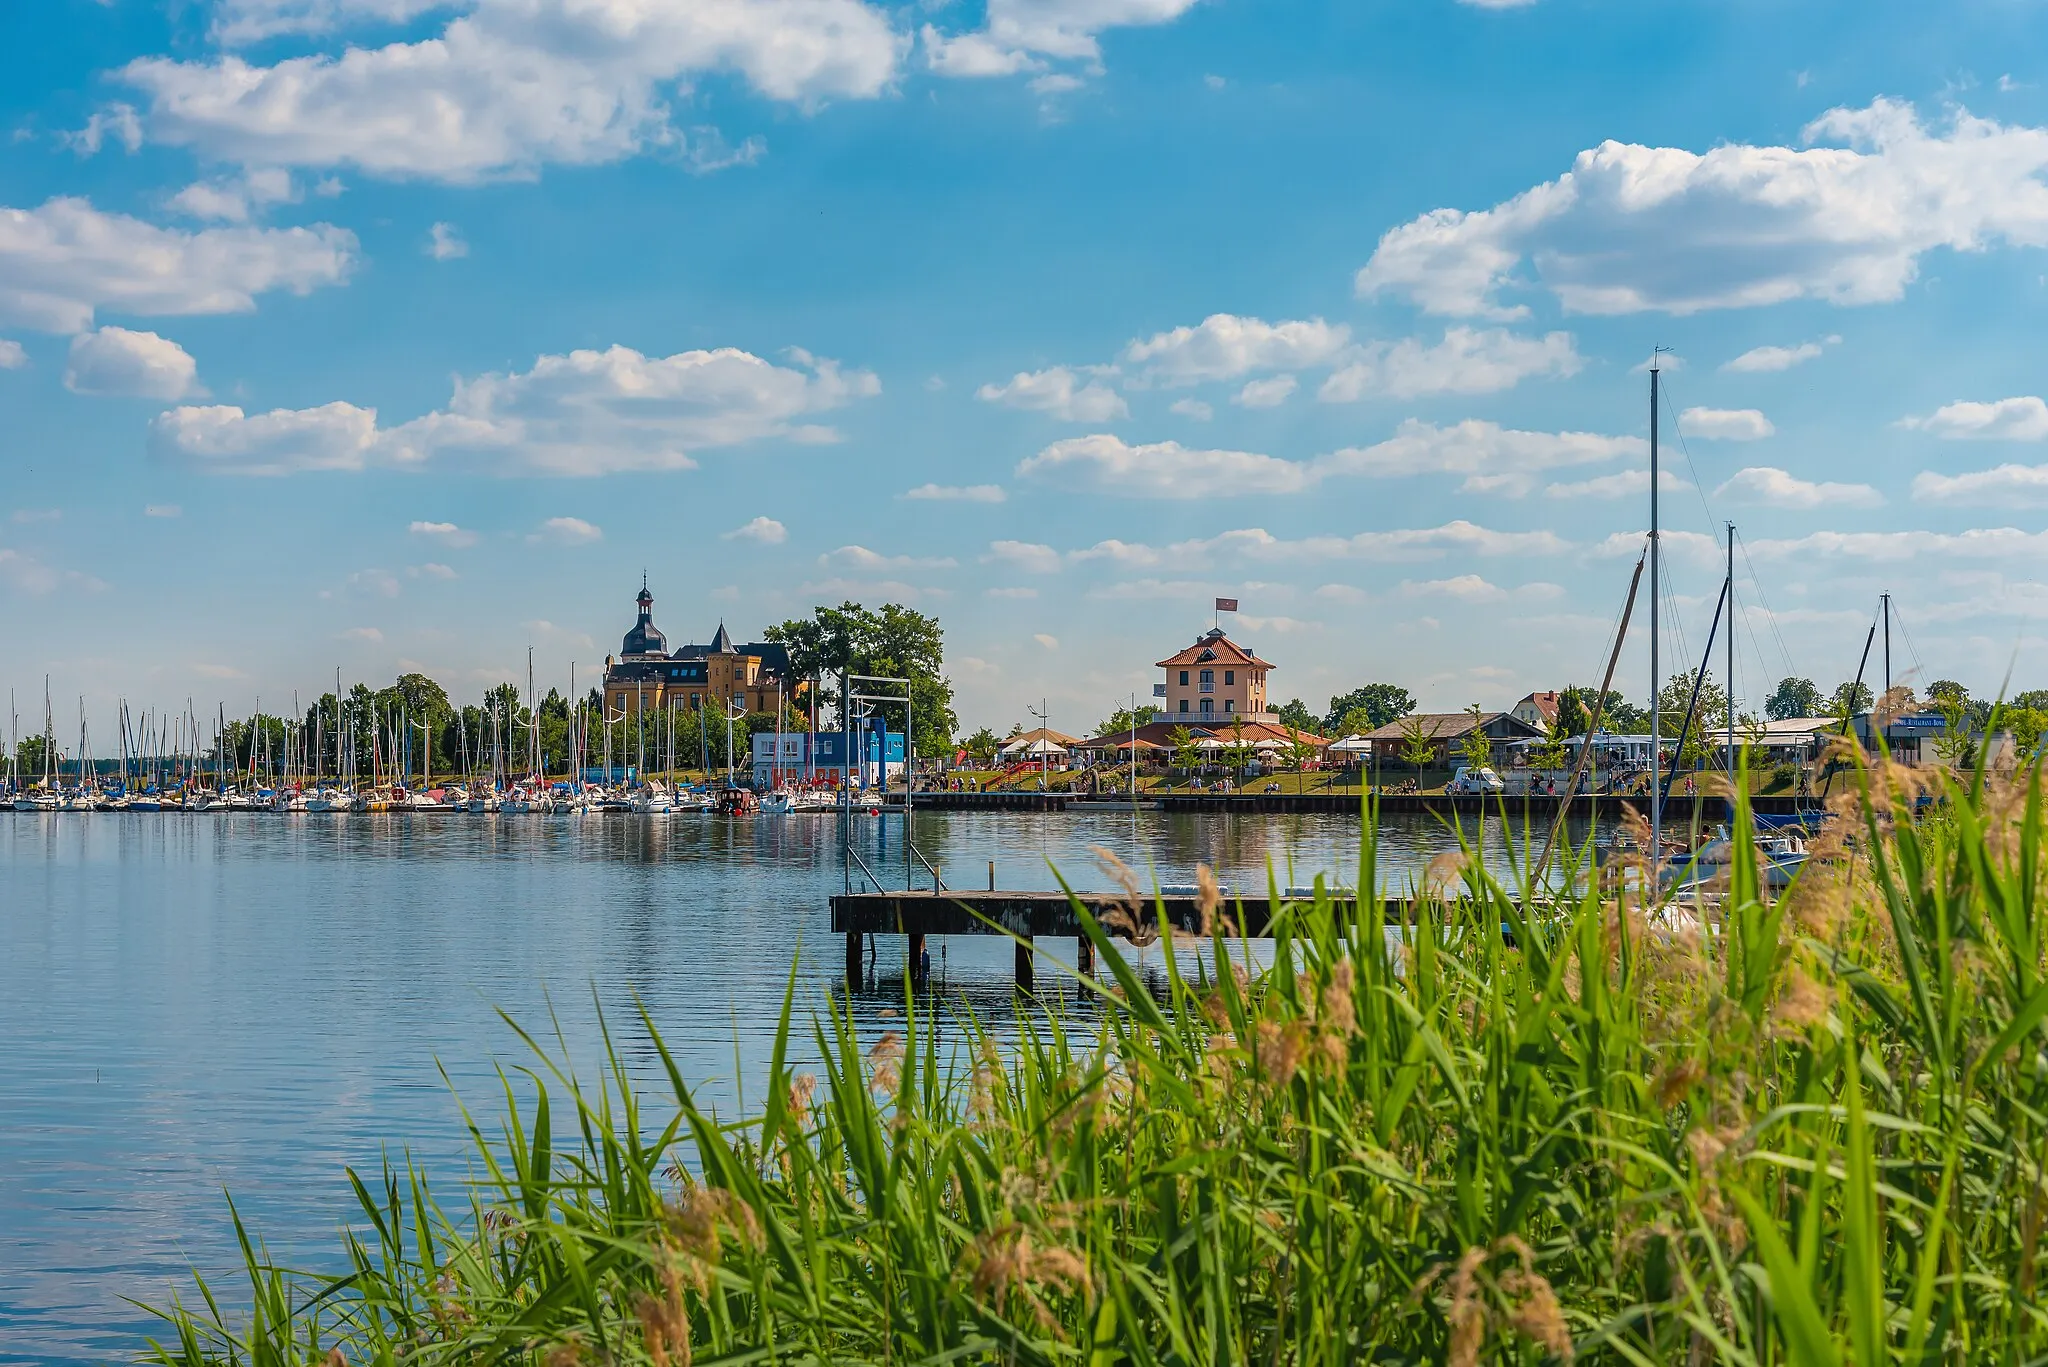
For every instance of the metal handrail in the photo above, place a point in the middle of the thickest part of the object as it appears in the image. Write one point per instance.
(873, 881)
(937, 886)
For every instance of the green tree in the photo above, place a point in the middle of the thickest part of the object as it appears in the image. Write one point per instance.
(1691, 741)
(1299, 751)
(1418, 747)
(1477, 746)
(1575, 706)
(1384, 704)
(1573, 715)
(1295, 714)
(1956, 746)
(1852, 697)
(1553, 753)
(2026, 725)
(1120, 721)
(1186, 754)
(1237, 753)
(982, 746)
(1357, 722)
(2036, 698)
(28, 758)
(1794, 698)
(895, 642)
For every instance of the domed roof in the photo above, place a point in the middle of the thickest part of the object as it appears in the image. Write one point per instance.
(645, 638)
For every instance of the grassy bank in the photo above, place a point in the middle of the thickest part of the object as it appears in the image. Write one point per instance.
(1814, 1134)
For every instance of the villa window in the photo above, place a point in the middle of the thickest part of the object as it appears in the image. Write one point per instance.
(1183, 704)
(1183, 678)
(1230, 704)
(1208, 681)
(1208, 706)
(1230, 676)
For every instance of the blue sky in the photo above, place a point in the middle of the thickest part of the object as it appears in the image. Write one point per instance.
(391, 335)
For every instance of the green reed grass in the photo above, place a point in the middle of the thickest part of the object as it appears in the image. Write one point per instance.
(1531, 1129)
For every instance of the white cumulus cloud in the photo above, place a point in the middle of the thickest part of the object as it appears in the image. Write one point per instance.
(248, 21)
(1224, 347)
(1726, 424)
(444, 242)
(1763, 359)
(567, 531)
(586, 413)
(763, 529)
(1267, 393)
(1060, 392)
(447, 533)
(1492, 458)
(1023, 35)
(1620, 484)
(2005, 486)
(2019, 419)
(116, 362)
(1632, 228)
(1107, 464)
(862, 560)
(1028, 556)
(12, 355)
(957, 493)
(221, 437)
(238, 198)
(1466, 361)
(1768, 485)
(1192, 408)
(510, 85)
(64, 259)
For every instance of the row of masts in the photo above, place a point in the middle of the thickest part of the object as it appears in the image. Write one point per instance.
(340, 745)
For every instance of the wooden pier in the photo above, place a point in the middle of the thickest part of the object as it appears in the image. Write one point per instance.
(1027, 915)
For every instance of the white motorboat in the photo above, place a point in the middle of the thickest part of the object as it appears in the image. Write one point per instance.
(1779, 857)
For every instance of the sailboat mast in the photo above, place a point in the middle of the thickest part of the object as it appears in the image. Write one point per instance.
(1730, 680)
(1887, 643)
(1656, 611)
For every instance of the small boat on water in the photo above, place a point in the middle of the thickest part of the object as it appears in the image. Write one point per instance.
(1780, 854)
(653, 800)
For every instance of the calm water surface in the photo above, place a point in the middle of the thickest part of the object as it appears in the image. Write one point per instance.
(197, 1005)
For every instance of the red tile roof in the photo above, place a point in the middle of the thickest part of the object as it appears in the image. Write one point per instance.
(1214, 647)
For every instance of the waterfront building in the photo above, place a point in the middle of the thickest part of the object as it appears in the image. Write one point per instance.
(646, 674)
(1264, 736)
(1445, 733)
(1536, 709)
(1214, 681)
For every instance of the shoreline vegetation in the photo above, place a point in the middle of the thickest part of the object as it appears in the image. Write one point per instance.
(1807, 1130)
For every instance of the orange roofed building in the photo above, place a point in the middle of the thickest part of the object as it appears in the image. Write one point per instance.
(1215, 680)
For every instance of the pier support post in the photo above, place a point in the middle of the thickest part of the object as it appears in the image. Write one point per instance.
(1024, 964)
(1084, 955)
(914, 964)
(854, 950)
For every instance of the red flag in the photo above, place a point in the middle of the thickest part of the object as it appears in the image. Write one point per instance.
(1226, 605)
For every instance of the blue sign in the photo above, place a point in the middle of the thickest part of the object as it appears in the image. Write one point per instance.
(831, 751)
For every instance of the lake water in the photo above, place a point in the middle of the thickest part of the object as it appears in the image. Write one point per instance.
(198, 1005)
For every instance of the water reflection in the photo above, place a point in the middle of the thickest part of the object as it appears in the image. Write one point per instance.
(251, 1002)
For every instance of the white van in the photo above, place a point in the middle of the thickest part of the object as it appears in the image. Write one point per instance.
(1466, 781)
